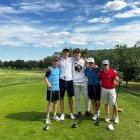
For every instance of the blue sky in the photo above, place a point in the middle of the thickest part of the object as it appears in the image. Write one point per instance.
(34, 29)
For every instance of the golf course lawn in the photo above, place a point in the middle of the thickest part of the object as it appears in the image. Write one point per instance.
(23, 110)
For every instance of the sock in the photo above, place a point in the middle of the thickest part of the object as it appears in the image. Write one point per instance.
(54, 113)
(48, 115)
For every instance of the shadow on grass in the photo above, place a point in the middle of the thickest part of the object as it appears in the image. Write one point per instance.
(27, 116)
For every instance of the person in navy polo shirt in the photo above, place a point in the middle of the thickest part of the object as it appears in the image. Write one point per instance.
(94, 88)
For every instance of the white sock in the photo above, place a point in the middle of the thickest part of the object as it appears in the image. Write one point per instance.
(54, 113)
(48, 115)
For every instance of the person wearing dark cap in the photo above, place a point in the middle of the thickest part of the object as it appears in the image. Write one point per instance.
(108, 92)
(66, 82)
(80, 82)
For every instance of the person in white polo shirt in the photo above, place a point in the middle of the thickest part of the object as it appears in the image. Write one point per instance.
(66, 82)
(80, 82)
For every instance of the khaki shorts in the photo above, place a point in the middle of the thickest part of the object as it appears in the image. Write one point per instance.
(108, 96)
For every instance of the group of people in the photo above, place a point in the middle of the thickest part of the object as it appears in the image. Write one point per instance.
(77, 75)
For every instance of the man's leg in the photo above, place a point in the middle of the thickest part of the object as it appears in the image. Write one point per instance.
(86, 99)
(77, 96)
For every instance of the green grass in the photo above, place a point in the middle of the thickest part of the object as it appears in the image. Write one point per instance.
(23, 107)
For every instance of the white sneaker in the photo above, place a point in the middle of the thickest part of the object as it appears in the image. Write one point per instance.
(62, 117)
(116, 120)
(47, 121)
(72, 116)
(95, 117)
(107, 119)
(56, 118)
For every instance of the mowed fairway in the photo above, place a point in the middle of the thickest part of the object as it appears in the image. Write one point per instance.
(23, 109)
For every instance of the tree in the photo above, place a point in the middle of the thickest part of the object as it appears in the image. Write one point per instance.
(127, 62)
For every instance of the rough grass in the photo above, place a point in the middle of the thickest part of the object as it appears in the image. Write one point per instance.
(22, 112)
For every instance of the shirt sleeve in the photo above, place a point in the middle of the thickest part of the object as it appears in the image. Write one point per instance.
(115, 74)
(85, 71)
(100, 75)
(47, 74)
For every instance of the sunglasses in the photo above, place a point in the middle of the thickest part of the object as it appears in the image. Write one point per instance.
(105, 64)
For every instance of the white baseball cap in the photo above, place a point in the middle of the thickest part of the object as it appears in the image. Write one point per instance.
(90, 60)
(105, 62)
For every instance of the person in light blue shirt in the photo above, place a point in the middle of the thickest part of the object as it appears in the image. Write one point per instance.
(52, 81)
(94, 89)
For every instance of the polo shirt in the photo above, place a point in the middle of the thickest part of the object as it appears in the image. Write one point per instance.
(53, 78)
(92, 75)
(107, 78)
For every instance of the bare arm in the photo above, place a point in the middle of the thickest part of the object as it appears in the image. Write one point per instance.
(118, 79)
(47, 82)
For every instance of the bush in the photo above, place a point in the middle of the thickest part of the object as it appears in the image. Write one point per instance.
(137, 79)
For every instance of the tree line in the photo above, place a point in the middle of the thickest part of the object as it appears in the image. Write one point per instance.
(123, 59)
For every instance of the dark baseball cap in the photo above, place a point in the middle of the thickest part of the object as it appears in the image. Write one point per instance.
(66, 49)
(77, 50)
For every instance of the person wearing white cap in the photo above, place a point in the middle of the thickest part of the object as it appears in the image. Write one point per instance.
(108, 93)
(94, 88)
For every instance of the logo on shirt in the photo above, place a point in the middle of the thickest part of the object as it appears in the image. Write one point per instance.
(78, 67)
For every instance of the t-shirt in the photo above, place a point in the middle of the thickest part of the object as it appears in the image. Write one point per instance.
(66, 68)
(78, 71)
(53, 78)
(92, 75)
(107, 79)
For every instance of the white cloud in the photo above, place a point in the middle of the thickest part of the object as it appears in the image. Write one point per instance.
(128, 14)
(115, 5)
(78, 42)
(101, 20)
(6, 9)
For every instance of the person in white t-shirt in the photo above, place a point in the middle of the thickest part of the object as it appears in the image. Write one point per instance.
(80, 82)
(66, 82)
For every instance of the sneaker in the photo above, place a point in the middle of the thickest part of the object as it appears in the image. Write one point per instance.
(56, 118)
(79, 115)
(47, 121)
(107, 119)
(72, 116)
(62, 117)
(116, 120)
(89, 114)
(95, 117)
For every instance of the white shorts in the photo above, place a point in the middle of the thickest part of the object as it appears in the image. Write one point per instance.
(108, 96)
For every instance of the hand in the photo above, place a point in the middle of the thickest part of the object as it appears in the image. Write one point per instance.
(49, 85)
(49, 68)
(95, 66)
(120, 81)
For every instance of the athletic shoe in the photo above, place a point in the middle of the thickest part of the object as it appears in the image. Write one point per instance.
(47, 121)
(95, 117)
(116, 120)
(56, 118)
(79, 115)
(89, 114)
(107, 119)
(62, 117)
(72, 116)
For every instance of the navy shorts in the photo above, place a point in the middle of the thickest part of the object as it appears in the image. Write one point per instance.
(94, 92)
(66, 86)
(52, 95)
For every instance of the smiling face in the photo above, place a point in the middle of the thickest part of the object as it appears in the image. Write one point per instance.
(66, 54)
(90, 64)
(106, 67)
(77, 56)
